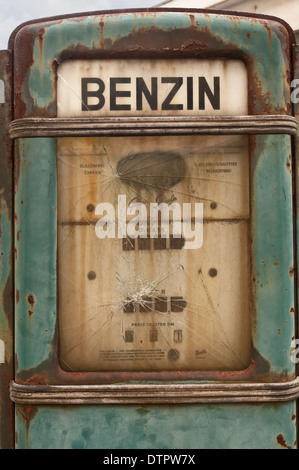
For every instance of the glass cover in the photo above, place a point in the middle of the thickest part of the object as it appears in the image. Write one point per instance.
(153, 253)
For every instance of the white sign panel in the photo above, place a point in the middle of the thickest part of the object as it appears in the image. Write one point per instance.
(180, 87)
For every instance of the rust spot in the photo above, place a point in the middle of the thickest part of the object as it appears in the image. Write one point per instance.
(102, 34)
(41, 46)
(194, 46)
(30, 299)
(28, 409)
(276, 263)
(292, 310)
(27, 412)
(291, 271)
(293, 417)
(239, 374)
(18, 235)
(281, 441)
(36, 380)
(27, 56)
(279, 331)
(192, 20)
(23, 416)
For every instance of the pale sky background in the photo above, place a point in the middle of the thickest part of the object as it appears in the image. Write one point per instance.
(15, 12)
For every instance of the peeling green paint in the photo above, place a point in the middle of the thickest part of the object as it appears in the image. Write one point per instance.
(167, 427)
(273, 250)
(36, 250)
(5, 243)
(195, 426)
(254, 40)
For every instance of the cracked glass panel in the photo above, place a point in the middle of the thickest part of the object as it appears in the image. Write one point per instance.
(154, 253)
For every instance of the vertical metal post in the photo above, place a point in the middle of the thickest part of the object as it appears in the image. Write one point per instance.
(6, 255)
(295, 102)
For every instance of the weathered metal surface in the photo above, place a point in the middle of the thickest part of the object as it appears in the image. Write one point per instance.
(263, 426)
(272, 258)
(35, 250)
(261, 44)
(226, 125)
(30, 152)
(268, 257)
(6, 255)
(264, 46)
(295, 164)
(150, 394)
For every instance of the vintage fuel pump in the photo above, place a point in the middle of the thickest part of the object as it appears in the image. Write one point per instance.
(149, 250)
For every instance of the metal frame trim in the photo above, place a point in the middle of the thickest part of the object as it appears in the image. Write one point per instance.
(154, 393)
(220, 125)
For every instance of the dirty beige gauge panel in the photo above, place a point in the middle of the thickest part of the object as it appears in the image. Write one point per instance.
(153, 253)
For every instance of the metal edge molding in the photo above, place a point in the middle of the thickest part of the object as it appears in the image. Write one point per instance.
(154, 393)
(220, 125)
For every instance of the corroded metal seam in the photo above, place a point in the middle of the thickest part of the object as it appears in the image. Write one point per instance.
(152, 393)
(63, 127)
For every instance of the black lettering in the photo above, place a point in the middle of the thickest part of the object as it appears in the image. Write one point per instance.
(204, 89)
(166, 105)
(151, 97)
(85, 93)
(189, 92)
(114, 94)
